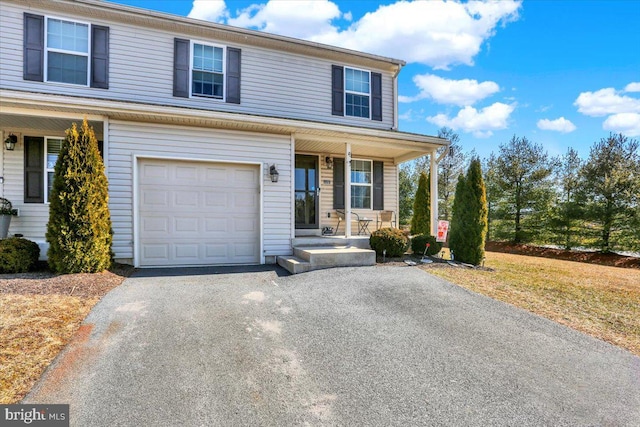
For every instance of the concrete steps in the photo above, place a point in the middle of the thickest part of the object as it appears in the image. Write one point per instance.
(307, 258)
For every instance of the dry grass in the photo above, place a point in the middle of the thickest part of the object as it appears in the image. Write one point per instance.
(33, 330)
(601, 301)
(39, 313)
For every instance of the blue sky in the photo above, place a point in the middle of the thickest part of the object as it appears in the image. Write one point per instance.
(562, 73)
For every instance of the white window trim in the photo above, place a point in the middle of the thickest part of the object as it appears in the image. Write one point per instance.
(45, 168)
(224, 70)
(361, 184)
(356, 93)
(47, 49)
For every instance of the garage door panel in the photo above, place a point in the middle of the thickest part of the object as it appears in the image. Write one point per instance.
(195, 213)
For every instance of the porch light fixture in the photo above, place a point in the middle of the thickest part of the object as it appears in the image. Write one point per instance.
(10, 142)
(329, 162)
(273, 172)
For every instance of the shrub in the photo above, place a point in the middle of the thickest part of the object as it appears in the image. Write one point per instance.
(469, 221)
(419, 242)
(79, 229)
(421, 220)
(18, 255)
(392, 240)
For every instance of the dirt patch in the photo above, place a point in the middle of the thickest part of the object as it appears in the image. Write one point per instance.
(610, 259)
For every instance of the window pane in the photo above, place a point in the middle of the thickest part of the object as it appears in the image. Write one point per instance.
(357, 81)
(207, 84)
(361, 197)
(65, 68)
(49, 185)
(67, 35)
(53, 149)
(361, 171)
(357, 105)
(207, 58)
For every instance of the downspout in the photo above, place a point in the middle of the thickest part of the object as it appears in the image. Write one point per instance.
(395, 98)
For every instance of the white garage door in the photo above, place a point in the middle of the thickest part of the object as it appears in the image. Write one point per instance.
(193, 213)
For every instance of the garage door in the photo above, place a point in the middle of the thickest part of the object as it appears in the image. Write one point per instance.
(193, 213)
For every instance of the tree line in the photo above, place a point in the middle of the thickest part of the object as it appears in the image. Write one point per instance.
(533, 197)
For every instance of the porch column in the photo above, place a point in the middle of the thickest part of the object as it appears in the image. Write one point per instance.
(434, 193)
(347, 190)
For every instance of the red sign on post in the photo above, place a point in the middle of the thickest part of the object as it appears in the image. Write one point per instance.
(443, 229)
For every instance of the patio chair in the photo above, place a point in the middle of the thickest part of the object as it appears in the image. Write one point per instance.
(386, 216)
(363, 222)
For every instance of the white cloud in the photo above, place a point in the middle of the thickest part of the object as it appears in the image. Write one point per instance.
(623, 111)
(209, 10)
(626, 123)
(436, 33)
(605, 102)
(304, 19)
(560, 125)
(479, 122)
(632, 87)
(456, 92)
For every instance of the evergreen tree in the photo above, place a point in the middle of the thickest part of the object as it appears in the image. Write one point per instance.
(449, 168)
(456, 227)
(421, 220)
(79, 228)
(522, 171)
(565, 216)
(611, 187)
(406, 187)
(470, 216)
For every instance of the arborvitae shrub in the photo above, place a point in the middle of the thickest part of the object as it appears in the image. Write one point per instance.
(469, 217)
(18, 255)
(419, 242)
(392, 240)
(79, 229)
(421, 220)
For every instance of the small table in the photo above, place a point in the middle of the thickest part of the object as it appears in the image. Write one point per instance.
(363, 226)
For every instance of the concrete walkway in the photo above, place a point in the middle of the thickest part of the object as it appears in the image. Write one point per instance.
(369, 346)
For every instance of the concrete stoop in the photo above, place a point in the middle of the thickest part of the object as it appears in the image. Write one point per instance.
(307, 258)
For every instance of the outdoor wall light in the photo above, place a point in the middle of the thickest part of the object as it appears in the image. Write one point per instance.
(273, 172)
(10, 142)
(329, 162)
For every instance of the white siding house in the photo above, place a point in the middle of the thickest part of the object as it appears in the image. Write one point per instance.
(193, 117)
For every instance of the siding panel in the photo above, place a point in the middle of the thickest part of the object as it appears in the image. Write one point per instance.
(277, 84)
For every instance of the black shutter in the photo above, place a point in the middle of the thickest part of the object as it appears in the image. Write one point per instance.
(100, 57)
(337, 90)
(338, 183)
(33, 56)
(378, 186)
(181, 68)
(33, 170)
(376, 96)
(233, 75)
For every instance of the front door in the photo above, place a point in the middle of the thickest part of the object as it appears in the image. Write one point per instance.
(306, 194)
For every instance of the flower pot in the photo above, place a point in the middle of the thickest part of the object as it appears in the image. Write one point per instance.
(5, 221)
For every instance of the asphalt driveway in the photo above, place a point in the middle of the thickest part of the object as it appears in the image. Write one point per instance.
(369, 346)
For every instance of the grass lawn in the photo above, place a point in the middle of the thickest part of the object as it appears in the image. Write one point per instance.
(39, 313)
(601, 301)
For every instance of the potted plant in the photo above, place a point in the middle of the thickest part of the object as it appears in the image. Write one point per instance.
(6, 212)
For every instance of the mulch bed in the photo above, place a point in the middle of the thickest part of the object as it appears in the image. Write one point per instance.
(84, 285)
(610, 259)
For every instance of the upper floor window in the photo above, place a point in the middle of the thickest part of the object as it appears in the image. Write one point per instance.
(67, 51)
(207, 71)
(357, 92)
